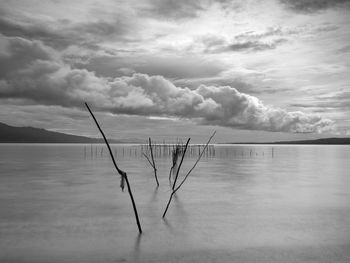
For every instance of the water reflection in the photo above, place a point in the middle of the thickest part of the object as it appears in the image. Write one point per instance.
(168, 224)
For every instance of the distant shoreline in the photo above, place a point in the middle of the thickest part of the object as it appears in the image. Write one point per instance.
(324, 141)
(27, 135)
(11, 134)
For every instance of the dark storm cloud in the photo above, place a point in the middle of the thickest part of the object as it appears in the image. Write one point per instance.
(310, 6)
(45, 79)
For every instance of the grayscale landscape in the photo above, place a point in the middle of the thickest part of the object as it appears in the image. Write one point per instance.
(175, 131)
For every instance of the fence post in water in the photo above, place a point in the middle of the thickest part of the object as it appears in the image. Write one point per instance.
(122, 173)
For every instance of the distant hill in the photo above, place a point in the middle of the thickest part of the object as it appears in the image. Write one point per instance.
(10, 134)
(324, 141)
(319, 141)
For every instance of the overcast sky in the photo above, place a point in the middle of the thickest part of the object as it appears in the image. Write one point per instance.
(253, 70)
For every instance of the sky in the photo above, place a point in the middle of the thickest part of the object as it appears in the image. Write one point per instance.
(252, 70)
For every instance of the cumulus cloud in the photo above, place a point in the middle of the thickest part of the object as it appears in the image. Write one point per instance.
(42, 77)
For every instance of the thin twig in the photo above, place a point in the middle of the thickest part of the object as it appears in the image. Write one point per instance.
(154, 164)
(147, 159)
(171, 169)
(174, 156)
(200, 156)
(122, 173)
(186, 176)
(182, 158)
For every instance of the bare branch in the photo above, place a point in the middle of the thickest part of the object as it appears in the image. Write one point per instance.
(186, 176)
(200, 156)
(148, 159)
(182, 158)
(122, 173)
(154, 164)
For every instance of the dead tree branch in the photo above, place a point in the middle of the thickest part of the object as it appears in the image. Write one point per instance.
(186, 176)
(122, 173)
(152, 163)
(182, 158)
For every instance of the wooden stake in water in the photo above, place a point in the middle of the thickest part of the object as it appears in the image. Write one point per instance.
(122, 173)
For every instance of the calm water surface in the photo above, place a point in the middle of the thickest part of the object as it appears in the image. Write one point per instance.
(62, 203)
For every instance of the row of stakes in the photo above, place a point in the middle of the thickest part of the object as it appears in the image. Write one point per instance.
(165, 150)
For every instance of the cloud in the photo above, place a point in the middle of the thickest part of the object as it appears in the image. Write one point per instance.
(338, 101)
(43, 78)
(246, 42)
(169, 66)
(245, 46)
(121, 26)
(255, 45)
(183, 9)
(344, 49)
(174, 9)
(253, 35)
(18, 53)
(311, 6)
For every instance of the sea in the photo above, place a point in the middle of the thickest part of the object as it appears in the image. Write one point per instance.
(241, 203)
